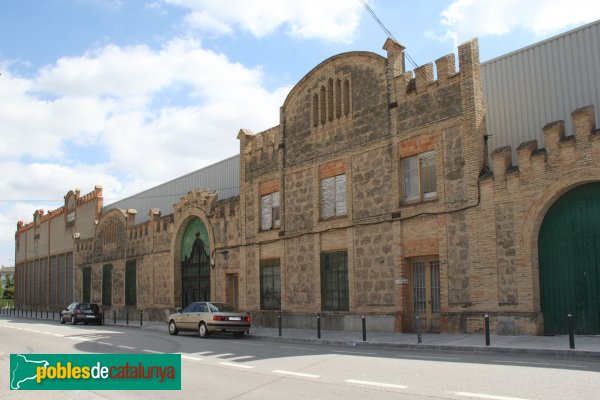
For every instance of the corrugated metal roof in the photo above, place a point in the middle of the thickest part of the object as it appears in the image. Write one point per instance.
(528, 88)
(222, 177)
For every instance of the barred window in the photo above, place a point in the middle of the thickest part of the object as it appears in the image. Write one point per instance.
(270, 285)
(87, 284)
(334, 281)
(107, 285)
(333, 196)
(130, 283)
(269, 211)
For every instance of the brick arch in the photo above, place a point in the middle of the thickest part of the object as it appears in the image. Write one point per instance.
(181, 222)
(530, 228)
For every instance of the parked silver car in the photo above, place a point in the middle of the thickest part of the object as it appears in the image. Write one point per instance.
(205, 317)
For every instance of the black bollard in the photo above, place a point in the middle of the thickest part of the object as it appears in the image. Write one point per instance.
(571, 333)
(418, 326)
(52, 314)
(279, 323)
(126, 317)
(47, 312)
(364, 327)
(318, 325)
(141, 317)
(115, 316)
(487, 330)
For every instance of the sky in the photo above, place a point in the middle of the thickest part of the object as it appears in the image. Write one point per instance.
(128, 94)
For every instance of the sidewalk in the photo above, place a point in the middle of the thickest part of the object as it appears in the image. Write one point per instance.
(585, 346)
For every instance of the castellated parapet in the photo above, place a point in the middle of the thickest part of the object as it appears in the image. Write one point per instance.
(514, 202)
(560, 150)
(259, 151)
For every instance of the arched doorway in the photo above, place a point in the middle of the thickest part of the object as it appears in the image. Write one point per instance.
(195, 264)
(569, 260)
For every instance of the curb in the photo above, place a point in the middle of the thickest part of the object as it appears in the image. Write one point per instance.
(434, 347)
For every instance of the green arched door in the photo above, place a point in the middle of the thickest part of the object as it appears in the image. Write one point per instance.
(569, 259)
(195, 263)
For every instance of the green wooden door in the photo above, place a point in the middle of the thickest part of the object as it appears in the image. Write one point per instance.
(569, 259)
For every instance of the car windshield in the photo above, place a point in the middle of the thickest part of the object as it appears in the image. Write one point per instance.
(221, 307)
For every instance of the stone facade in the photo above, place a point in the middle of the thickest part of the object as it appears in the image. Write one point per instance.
(353, 134)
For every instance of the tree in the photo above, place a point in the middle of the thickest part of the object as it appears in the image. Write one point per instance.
(9, 289)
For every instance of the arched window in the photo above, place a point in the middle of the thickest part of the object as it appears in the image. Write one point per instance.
(338, 98)
(330, 99)
(346, 97)
(315, 110)
(322, 96)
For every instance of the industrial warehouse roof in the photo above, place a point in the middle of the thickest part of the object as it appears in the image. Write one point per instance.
(523, 91)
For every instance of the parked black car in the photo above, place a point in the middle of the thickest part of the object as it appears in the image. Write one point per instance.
(81, 312)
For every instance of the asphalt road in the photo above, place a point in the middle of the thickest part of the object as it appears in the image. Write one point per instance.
(221, 367)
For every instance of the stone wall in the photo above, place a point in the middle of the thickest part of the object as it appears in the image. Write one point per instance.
(371, 183)
(374, 263)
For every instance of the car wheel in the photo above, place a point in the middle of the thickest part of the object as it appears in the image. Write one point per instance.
(238, 334)
(202, 330)
(62, 320)
(173, 328)
(73, 322)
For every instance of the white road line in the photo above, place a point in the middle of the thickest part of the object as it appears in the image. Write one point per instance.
(487, 396)
(191, 358)
(224, 355)
(106, 344)
(379, 384)
(279, 371)
(240, 358)
(355, 352)
(48, 333)
(58, 334)
(203, 353)
(295, 348)
(429, 357)
(539, 363)
(153, 351)
(236, 365)
(125, 347)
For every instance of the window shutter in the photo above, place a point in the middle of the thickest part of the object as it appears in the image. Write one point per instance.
(340, 195)
(410, 167)
(266, 217)
(276, 219)
(428, 175)
(328, 197)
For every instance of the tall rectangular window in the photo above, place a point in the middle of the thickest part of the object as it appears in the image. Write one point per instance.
(419, 177)
(334, 281)
(107, 285)
(269, 211)
(87, 284)
(333, 196)
(130, 283)
(270, 285)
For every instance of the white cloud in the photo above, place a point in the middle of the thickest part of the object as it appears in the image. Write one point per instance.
(329, 20)
(153, 114)
(465, 19)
